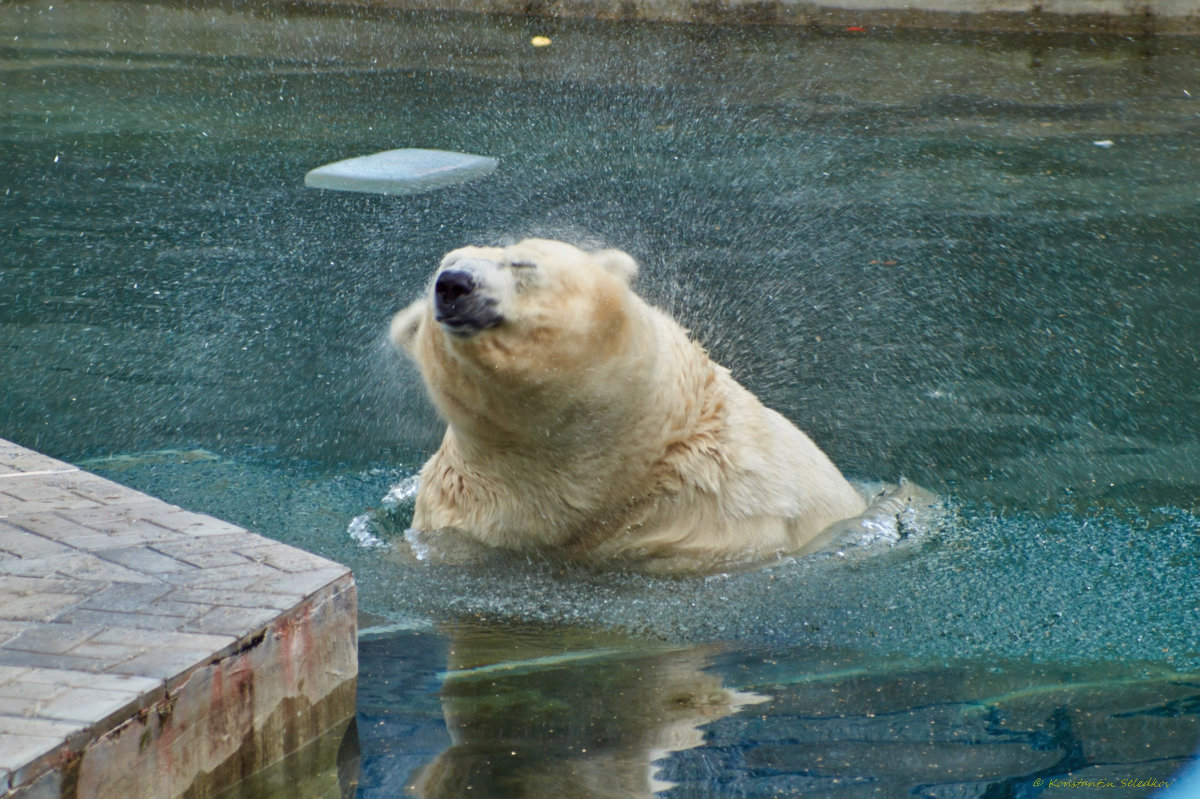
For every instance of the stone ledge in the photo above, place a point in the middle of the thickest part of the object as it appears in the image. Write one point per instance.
(149, 651)
(1097, 17)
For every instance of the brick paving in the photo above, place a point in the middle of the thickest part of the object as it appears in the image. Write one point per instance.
(110, 599)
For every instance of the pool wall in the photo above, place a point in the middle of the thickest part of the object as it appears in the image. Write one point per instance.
(149, 651)
(1124, 17)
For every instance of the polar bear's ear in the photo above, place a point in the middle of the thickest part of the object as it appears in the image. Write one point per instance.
(405, 324)
(619, 263)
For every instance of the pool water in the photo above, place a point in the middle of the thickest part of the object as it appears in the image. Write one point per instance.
(965, 260)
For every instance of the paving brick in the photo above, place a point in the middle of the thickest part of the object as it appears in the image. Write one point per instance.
(11, 629)
(163, 664)
(234, 599)
(284, 558)
(23, 704)
(43, 728)
(172, 607)
(30, 693)
(106, 492)
(207, 552)
(136, 535)
(23, 491)
(164, 640)
(77, 564)
(69, 480)
(126, 533)
(9, 674)
(264, 579)
(86, 705)
(145, 560)
(159, 607)
(53, 639)
(34, 607)
(23, 544)
(117, 518)
(26, 699)
(104, 682)
(110, 654)
(227, 578)
(50, 525)
(303, 583)
(24, 460)
(40, 660)
(127, 596)
(54, 584)
(146, 620)
(194, 524)
(226, 619)
(17, 749)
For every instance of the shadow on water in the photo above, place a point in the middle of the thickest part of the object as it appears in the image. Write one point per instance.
(969, 261)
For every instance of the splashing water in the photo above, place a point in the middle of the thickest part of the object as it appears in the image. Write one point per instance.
(918, 578)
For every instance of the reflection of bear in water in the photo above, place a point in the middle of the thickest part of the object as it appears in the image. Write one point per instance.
(529, 721)
(583, 421)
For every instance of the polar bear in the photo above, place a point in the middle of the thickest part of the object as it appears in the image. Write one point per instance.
(583, 422)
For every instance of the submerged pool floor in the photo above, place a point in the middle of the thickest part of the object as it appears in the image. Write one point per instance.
(627, 717)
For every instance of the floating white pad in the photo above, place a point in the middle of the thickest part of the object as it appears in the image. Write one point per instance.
(405, 171)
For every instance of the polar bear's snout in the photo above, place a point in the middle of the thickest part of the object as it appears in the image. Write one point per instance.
(452, 285)
(461, 303)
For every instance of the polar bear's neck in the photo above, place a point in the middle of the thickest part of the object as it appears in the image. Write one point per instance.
(601, 451)
(627, 407)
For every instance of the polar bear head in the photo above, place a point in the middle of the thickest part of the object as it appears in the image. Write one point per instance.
(506, 330)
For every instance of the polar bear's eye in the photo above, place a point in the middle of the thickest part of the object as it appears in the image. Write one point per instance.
(523, 265)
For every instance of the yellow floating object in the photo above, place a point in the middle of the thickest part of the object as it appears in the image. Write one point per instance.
(540, 41)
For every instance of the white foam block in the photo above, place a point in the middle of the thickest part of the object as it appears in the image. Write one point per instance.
(407, 171)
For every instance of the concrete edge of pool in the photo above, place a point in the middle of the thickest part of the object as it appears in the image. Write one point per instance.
(1104, 17)
(146, 650)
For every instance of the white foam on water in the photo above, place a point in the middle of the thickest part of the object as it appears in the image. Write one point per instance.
(367, 528)
(894, 513)
(402, 493)
(360, 530)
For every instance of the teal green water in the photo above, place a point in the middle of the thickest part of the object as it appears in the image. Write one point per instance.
(966, 261)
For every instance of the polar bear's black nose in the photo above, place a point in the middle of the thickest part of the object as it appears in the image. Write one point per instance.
(461, 305)
(452, 285)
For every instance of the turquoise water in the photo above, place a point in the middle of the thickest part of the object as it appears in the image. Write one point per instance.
(968, 261)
